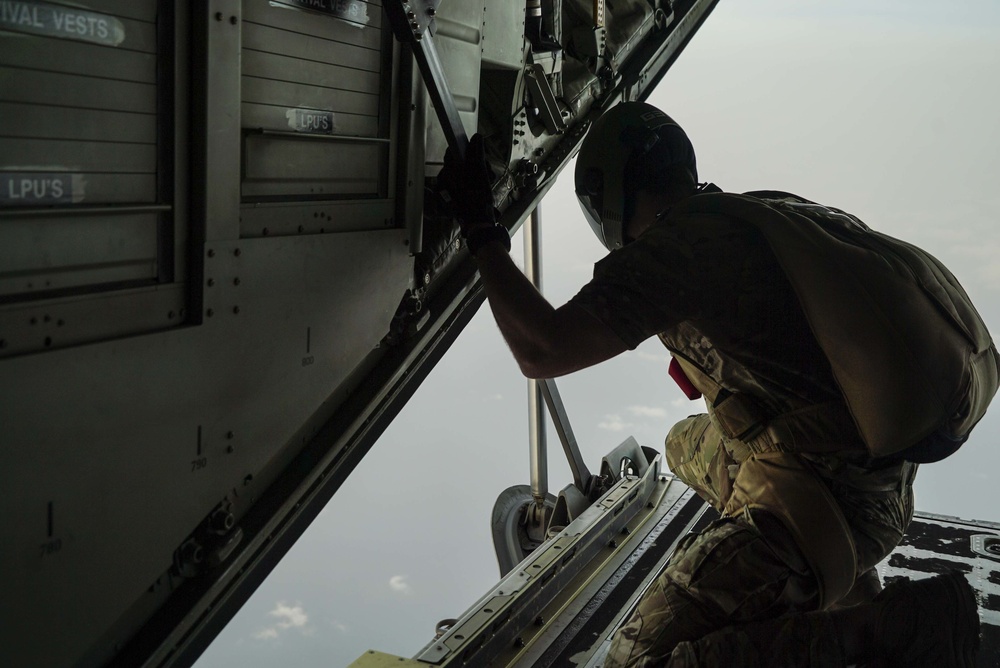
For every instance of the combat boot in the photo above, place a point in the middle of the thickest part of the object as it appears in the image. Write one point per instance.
(931, 622)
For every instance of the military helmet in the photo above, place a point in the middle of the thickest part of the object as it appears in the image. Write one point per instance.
(625, 133)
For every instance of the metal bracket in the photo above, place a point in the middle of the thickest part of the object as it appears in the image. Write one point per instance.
(544, 99)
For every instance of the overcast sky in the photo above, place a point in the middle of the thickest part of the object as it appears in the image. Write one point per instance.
(888, 111)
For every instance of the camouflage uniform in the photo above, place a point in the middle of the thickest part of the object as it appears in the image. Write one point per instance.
(710, 287)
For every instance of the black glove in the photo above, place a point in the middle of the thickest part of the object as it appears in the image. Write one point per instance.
(468, 185)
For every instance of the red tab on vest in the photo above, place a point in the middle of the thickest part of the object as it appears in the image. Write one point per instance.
(677, 373)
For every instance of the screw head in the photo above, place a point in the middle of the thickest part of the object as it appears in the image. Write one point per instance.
(211, 282)
(237, 252)
(210, 312)
(211, 252)
(236, 281)
(236, 310)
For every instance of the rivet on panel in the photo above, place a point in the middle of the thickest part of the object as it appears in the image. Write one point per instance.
(211, 282)
(211, 252)
(237, 252)
(218, 16)
(233, 20)
(48, 341)
(236, 310)
(210, 313)
(236, 281)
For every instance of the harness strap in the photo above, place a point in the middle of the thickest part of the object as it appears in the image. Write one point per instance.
(819, 428)
(783, 484)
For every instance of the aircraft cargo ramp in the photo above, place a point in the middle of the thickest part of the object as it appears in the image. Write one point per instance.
(560, 606)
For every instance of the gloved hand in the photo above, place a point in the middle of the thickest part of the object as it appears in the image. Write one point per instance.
(468, 184)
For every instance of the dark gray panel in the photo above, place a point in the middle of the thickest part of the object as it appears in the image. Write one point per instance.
(63, 322)
(142, 10)
(60, 251)
(273, 117)
(319, 48)
(288, 17)
(283, 68)
(79, 156)
(69, 57)
(24, 120)
(108, 433)
(283, 218)
(267, 91)
(309, 167)
(68, 90)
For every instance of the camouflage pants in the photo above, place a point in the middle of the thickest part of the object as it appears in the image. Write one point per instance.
(740, 592)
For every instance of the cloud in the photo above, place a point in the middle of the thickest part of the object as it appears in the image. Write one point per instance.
(613, 423)
(340, 627)
(289, 617)
(648, 411)
(399, 583)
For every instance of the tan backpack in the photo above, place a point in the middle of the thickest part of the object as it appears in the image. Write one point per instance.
(913, 359)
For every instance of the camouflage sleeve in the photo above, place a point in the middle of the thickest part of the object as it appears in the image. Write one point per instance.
(680, 269)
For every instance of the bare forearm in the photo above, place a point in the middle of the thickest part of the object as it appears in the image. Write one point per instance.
(522, 314)
(546, 342)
